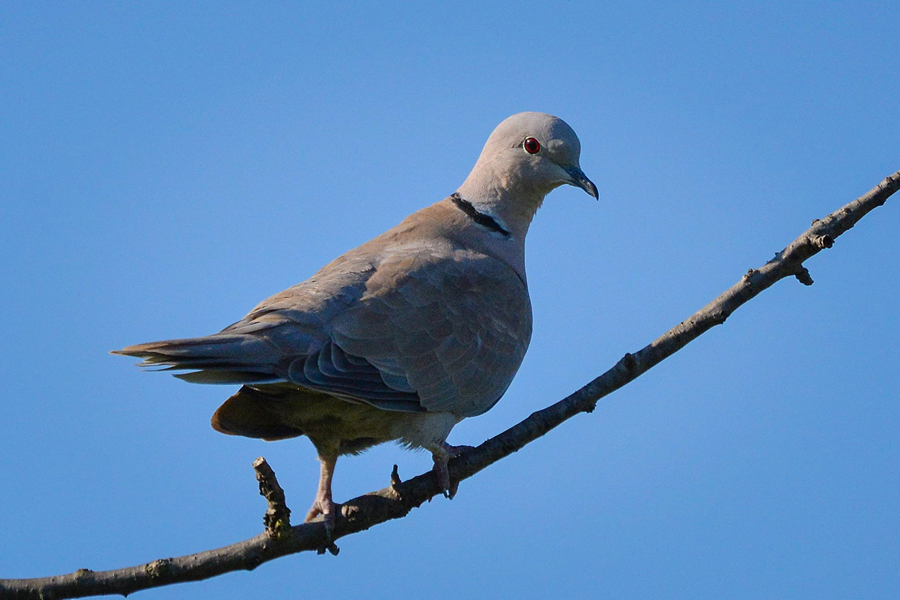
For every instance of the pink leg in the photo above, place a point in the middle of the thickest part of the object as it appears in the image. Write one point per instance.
(324, 505)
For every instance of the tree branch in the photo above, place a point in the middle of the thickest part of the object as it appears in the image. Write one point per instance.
(400, 498)
(278, 515)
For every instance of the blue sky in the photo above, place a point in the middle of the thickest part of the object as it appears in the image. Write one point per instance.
(165, 166)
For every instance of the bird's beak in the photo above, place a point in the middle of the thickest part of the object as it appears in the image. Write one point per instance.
(579, 179)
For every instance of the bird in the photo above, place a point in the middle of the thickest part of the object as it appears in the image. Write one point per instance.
(402, 337)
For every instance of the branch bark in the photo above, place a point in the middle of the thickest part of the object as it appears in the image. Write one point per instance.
(400, 498)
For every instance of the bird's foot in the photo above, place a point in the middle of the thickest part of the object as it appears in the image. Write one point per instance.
(326, 507)
(441, 458)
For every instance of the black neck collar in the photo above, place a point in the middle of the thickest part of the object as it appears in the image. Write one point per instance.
(479, 217)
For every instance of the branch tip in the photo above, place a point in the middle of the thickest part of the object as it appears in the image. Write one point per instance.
(278, 516)
(395, 477)
(803, 276)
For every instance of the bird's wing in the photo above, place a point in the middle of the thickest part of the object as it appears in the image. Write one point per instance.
(450, 326)
(283, 328)
(410, 321)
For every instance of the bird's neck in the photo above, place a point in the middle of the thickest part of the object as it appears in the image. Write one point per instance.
(503, 198)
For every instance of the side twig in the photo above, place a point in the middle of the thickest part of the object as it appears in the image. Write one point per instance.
(396, 500)
(278, 515)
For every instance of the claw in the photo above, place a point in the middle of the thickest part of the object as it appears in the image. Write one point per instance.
(326, 507)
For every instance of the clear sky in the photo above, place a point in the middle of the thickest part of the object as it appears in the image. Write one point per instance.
(165, 166)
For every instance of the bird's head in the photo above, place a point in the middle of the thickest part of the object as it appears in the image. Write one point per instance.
(528, 155)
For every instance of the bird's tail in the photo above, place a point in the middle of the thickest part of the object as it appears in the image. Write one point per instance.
(219, 358)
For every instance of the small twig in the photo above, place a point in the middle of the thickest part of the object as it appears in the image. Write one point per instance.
(278, 516)
(399, 498)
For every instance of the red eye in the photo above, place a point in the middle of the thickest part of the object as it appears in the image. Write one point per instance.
(531, 145)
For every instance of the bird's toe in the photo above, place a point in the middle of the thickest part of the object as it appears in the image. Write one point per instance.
(441, 458)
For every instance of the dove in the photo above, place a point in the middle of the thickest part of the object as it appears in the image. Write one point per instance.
(403, 337)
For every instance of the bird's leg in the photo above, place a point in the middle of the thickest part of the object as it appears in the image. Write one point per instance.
(324, 504)
(442, 455)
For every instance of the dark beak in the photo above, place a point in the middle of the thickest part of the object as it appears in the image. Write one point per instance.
(579, 179)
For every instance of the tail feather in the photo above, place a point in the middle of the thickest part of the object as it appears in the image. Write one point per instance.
(212, 359)
(224, 377)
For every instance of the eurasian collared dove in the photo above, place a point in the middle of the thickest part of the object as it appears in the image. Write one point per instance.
(404, 336)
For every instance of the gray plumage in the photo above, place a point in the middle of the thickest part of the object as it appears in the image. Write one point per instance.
(404, 336)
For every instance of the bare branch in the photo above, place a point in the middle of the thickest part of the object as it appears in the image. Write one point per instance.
(399, 498)
(278, 515)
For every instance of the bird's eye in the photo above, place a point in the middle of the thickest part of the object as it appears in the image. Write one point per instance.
(531, 145)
